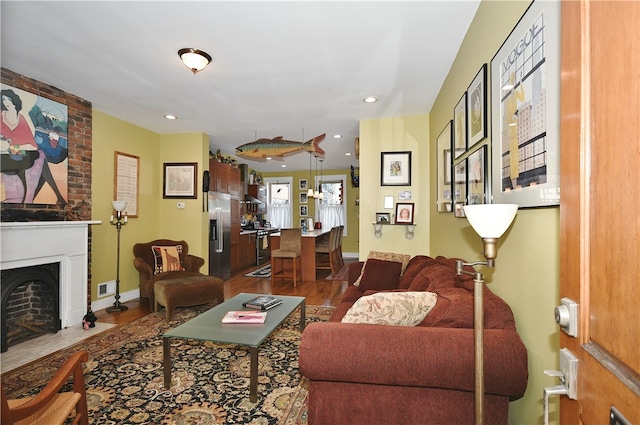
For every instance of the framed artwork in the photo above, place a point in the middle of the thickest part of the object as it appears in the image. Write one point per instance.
(443, 166)
(304, 210)
(179, 180)
(35, 148)
(404, 195)
(460, 126)
(477, 107)
(388, 202)
(303, 222)
(395, 168)
(460, 187)
(127, 181)
(477, 183)
(302, 184)
(525, 111)
(303, 198)
(383, 218)
(404, 212)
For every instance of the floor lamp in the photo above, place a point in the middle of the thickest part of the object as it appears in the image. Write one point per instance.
(119, 220)
(490, 221)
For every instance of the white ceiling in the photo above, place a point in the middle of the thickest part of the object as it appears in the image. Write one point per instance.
(279, 68)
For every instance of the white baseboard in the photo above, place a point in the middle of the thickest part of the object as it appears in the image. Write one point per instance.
(103, 303)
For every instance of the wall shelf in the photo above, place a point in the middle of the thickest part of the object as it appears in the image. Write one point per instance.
(409, 229)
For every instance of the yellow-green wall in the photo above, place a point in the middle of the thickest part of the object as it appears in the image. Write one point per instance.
(409, 133)
(351, 240)
(526, 275)
(157, 217)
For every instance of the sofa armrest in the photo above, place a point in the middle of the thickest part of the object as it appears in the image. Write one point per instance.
(412, 356)
(193, 263)
(143, 268)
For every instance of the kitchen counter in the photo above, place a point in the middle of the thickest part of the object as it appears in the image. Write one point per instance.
(308, 246)
(271, 230)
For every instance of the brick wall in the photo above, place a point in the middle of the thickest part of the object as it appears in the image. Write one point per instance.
(78, 162)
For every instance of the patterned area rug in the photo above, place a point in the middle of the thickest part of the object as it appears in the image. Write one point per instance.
(261, 272)
(210, 381)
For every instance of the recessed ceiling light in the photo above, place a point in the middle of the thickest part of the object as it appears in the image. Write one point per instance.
(347, 154)
(268, 158)
(337, 136)
(370, 99)
(171, 117)
(284, 165)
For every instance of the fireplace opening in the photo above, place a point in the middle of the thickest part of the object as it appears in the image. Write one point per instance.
(30, 303)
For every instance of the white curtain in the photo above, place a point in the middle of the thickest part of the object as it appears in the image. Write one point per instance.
(280, 215)
(331, 216)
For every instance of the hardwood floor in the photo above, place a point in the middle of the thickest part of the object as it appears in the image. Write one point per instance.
(321, 292)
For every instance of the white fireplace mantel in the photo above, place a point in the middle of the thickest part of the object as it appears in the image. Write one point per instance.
(33, 243)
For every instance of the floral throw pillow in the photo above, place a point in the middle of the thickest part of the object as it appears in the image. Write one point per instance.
(166, 258)
(391, 308)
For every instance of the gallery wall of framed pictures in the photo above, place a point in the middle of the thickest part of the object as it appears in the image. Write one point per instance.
(520, 163)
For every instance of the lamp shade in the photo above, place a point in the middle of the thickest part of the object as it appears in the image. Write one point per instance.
(119, 205)
(490, 220)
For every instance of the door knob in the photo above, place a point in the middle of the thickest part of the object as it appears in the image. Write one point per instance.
(566, 315)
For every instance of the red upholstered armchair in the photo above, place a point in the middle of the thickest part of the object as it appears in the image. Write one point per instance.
(163, 259)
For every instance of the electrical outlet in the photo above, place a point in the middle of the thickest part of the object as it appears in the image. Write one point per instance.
(569, 369)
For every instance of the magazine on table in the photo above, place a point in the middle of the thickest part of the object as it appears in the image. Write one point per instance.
(263, 302)
(245, 316)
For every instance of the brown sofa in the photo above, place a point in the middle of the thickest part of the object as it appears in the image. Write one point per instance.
(145, 263)
(424, 374)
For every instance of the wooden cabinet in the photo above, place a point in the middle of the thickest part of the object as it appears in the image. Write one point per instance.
(248, 249)
(259, 192)
(224, 178)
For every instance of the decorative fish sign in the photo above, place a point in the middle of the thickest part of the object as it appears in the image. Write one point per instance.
(277, 147)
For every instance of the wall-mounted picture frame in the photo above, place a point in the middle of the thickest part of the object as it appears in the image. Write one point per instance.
(395, 168)
(460, 126)
(460, 187)
(443, 167)
(303, 184)
(404, 212)
(304, 210)
(383, 218)
(477, 182)
(525, 111)
(304, 198)
(127, 181)
(477, 108)
(404, 195)
(388, 202)
(179, 180)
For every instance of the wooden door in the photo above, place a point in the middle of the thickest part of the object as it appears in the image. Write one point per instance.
(600, 205)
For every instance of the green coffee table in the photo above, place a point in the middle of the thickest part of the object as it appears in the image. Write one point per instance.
(208, 326)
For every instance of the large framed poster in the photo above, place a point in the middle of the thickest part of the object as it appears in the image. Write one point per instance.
(525, 110)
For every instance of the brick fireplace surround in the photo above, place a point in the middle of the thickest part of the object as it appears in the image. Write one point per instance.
(70, 225)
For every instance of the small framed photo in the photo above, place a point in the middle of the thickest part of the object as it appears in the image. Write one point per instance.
(383, 217)
(460, 126)
(395, 168)
(460, 185)
(404, 213)
(302, 184)
(303, 198)
(388, 202)
(477, 107)
(303, 221)
(179, 180)
(304, 210)
(404, 195)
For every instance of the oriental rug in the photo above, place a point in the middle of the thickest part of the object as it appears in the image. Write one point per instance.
(210, 381)
(261, 272)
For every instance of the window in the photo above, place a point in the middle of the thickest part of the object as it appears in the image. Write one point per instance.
(331, 209)
(279, 202)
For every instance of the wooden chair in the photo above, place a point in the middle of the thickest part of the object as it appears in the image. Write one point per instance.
(339, 257)
(290, 250)
(50, 406)
(326, 252)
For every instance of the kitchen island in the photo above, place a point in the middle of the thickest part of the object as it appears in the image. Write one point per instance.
(309, 239)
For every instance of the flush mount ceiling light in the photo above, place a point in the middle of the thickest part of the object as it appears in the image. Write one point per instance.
(194, 59)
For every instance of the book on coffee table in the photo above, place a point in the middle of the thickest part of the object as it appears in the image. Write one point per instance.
(263, 302)
(245, 316)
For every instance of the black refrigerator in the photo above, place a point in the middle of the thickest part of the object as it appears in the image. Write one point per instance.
(219, 206)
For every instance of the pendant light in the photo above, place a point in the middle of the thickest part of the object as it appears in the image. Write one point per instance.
(320, 193)
(317, 192)
(310, 191)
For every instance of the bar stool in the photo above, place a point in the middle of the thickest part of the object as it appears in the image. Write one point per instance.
(325, 251)
(290, 249)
